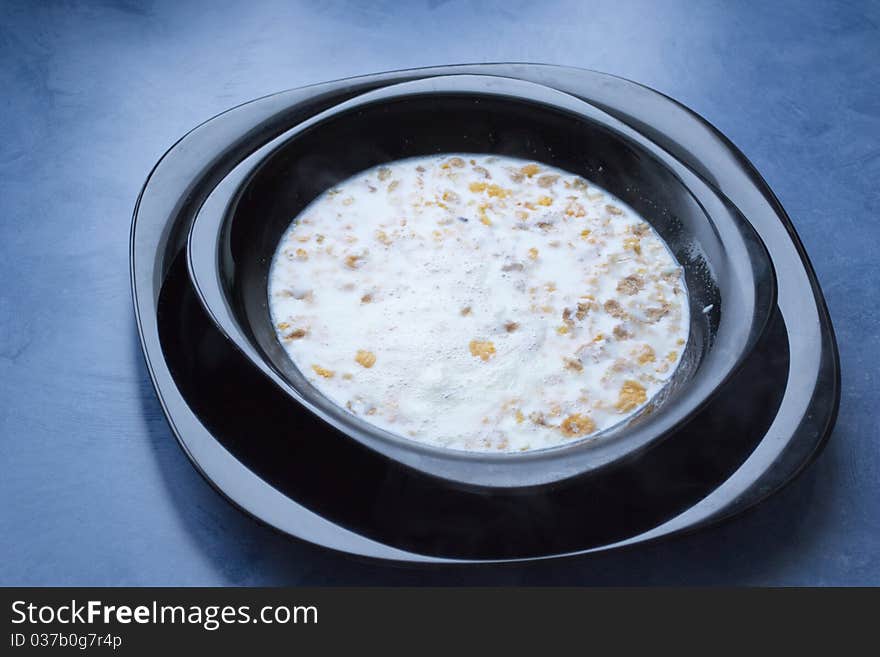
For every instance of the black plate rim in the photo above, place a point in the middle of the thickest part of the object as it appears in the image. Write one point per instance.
(828, 369)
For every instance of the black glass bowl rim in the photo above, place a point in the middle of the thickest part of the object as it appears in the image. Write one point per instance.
(480, 469)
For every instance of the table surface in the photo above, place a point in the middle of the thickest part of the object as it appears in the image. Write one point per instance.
(95, 490)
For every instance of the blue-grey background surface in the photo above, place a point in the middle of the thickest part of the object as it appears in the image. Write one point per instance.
(93, 487)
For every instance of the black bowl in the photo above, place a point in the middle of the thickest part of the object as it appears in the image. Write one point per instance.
(728, 272)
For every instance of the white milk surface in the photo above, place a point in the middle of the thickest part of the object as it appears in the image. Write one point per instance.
(479, 303)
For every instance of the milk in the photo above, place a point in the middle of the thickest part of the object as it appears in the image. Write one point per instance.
(479, 302)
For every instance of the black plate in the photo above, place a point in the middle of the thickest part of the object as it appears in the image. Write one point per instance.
(770, 424)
